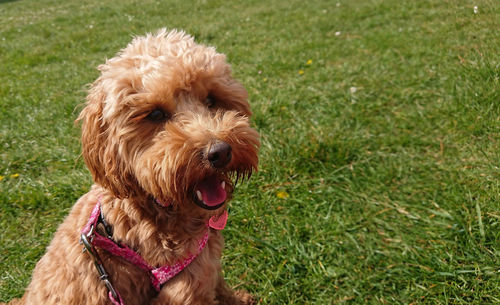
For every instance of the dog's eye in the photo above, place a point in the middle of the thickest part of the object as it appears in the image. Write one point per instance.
(210, 101)
(157, 115)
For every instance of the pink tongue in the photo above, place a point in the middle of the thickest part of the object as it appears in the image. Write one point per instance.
(212, 192)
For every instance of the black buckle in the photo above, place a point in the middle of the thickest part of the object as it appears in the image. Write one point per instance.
(107, 228)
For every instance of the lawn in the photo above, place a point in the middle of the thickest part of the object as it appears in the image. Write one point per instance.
(379, 178)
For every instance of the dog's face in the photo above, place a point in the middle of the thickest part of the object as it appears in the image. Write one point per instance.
(165, 118)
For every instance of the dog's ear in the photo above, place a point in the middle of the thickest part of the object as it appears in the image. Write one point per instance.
(99, 152)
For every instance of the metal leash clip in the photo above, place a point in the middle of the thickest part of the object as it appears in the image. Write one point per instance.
(90, 249)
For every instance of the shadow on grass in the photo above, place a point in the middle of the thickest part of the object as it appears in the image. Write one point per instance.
(6, 1)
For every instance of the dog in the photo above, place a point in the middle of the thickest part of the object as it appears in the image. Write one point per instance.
(166, 136)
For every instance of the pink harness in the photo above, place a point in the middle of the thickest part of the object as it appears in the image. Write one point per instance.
(158, 276)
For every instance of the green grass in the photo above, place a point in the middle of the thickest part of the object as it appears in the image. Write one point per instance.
(379, 173)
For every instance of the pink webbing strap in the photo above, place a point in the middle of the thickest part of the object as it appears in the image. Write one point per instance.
(158, 276)
(94, 216)
(123, 251)
(165, 273)
(107, 244)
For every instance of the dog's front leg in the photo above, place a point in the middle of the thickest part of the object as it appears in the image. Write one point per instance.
(227, 296)
(184, 291)
(167, 297)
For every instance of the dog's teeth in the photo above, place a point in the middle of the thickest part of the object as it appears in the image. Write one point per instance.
(223, 185)
(198, 193)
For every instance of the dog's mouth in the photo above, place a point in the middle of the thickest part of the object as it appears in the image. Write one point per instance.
(210, 193)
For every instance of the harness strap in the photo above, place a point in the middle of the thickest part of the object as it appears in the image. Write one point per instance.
(158, 276)
(120, 250)
(165, 273)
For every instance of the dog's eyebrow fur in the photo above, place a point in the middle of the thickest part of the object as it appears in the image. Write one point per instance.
(145, 102)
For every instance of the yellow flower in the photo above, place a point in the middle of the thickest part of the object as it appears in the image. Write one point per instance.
(14, 175)
(301, 72)
(282, 195)
(309, 62)
(1, 178)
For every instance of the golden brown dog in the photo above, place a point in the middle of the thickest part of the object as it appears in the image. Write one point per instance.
(165, 134)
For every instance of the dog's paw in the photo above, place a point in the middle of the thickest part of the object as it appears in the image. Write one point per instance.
(244, 298)
(239, 297)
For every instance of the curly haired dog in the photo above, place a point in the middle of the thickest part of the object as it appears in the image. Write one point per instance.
(165, 134)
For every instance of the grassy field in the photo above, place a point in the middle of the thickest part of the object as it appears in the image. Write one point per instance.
(379, 178)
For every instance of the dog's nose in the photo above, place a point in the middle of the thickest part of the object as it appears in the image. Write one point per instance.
(219, 154)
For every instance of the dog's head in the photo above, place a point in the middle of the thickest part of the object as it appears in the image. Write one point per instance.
(165, 118)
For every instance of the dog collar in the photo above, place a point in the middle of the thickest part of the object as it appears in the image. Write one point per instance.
(91, 239)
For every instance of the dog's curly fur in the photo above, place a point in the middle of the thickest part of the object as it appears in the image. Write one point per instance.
(150, 118)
